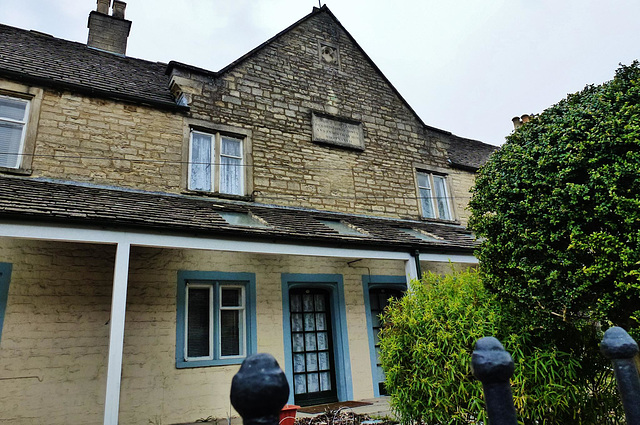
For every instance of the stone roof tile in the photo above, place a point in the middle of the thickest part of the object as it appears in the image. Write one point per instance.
(33, 56)
(43, 200)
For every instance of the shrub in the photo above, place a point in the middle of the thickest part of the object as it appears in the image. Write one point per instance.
(426, 347)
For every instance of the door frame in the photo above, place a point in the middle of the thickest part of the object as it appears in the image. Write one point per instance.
(334, 284)
(372, 282)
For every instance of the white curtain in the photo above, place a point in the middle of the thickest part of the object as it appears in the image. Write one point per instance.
(201, 154)
(231, 166)
(441, 198)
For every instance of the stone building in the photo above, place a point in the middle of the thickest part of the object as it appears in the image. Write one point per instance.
(159, 222)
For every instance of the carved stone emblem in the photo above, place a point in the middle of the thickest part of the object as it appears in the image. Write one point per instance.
(329, 54)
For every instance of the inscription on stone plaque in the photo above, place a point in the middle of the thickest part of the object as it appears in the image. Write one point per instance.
(337, 132)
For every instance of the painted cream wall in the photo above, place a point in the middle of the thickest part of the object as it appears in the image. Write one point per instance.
(153, 388)
(55, 337)
(55, 334)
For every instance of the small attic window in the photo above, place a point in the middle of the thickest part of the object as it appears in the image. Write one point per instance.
(343, 228)
(421, 234)
(242, 219)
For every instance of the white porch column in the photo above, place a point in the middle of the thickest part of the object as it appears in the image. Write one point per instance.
(116, 333)
(410, 270)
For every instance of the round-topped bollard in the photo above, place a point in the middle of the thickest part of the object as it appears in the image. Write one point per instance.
(618, 346)
(259, 390)
(493, 366)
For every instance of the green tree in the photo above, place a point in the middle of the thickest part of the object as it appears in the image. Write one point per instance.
(558, 209)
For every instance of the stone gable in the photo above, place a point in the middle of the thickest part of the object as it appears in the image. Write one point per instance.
(275, 91)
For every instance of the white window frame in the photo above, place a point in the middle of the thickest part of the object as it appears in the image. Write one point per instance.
(215, 310)
(243, 316)
(434, 197)
(25, 121)
(216, 162)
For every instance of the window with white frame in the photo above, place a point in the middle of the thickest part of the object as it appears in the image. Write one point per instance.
(434, 196)
(215, 323)
(14, 114)
(216, 163)
(216, 318)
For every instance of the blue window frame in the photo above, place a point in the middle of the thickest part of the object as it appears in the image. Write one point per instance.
(5, 277)
(216, 318)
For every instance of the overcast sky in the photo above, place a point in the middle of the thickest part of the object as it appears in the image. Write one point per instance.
(466, 66)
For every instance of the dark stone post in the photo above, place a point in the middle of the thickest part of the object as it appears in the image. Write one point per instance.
(493, 366)
(259, 390)
(621, 349)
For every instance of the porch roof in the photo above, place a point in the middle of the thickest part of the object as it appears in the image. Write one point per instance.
(72, 203)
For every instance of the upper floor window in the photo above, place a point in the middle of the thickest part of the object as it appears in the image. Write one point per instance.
(14, 114)
(216, 163)
(434, 196)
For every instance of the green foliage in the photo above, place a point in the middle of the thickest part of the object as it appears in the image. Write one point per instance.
(558, 207)
(426, 347)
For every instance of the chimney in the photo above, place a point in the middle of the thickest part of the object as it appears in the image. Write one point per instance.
(109, 32)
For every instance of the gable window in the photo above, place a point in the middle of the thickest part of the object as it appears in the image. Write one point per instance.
(14, 114)
(216, 163)
(434, 196)
(216, 318)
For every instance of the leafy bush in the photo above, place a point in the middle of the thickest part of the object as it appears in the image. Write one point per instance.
(426, 347)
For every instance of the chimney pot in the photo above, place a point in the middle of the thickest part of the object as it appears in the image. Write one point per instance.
(525, 118)
(103, 6)
(516, 122)
(118, 9)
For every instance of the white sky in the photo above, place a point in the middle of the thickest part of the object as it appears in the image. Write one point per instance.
(466, 66)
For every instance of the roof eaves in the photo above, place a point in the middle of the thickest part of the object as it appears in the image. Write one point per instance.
(175, 64)
(83, 89)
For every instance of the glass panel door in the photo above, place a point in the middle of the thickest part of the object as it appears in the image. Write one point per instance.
(313, 366)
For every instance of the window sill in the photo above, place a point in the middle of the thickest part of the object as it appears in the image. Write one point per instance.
(437, 220)
(16, 171)
(183, 364)
(247, 198)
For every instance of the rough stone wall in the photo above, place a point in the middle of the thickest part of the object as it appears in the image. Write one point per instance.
(55, 336)
(105, 142)
(274, 93)
(462, 181)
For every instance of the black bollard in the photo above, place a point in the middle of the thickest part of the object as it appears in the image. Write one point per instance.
(493, 366)
(621, 349)
(259, 390)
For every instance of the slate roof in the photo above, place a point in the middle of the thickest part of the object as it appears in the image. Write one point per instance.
(39, 58)
(44, 200)
(467, 153)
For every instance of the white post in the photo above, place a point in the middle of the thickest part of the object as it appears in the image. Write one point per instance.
(116, 334)
(410, 270)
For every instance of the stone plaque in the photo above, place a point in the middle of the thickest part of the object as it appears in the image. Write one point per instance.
(336, 131)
